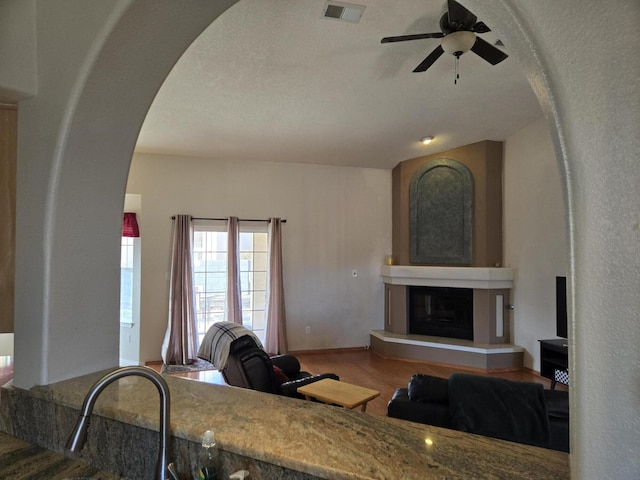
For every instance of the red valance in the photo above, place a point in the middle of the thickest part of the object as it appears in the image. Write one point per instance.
(130, 225)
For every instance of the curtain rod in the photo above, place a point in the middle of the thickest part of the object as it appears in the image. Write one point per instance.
(284, 220)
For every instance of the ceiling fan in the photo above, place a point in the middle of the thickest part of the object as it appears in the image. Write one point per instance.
(459, 28)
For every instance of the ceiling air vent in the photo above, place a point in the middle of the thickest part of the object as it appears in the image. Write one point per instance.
(346, 12)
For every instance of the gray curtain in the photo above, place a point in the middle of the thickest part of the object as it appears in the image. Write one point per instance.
(180, 342)
(276, 331)
(234, 294)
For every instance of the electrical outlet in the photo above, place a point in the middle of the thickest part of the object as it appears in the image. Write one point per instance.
(308, 330)
(354, 273)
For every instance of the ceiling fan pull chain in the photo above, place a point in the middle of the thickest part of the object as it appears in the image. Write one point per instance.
(457, 72)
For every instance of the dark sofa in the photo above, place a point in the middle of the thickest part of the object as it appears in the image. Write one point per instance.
(522, 412)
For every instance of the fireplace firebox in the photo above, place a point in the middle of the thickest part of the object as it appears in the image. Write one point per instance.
(440, 311)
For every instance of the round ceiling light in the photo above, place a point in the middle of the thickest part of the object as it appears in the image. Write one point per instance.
(427, 140)
(457, 43)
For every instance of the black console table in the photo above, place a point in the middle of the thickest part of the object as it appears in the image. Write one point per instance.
(554, 361)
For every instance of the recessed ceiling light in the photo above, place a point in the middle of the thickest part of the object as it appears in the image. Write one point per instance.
(427, 140)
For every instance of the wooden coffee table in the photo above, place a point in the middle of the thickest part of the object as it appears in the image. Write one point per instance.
(334, 392)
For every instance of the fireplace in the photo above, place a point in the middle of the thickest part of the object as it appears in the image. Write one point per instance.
(484, 304)
(440, 311)
(477, 297)
(443, 304)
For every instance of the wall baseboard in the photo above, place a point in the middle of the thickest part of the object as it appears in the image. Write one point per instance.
(330, 350)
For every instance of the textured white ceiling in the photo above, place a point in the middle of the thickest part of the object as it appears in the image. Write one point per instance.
(273, 80)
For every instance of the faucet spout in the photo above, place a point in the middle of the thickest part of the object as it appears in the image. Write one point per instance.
(79, 435)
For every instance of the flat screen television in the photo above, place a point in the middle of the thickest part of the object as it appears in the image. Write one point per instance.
(561, 307)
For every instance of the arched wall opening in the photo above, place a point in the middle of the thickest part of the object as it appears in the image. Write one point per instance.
(76, 139)
(75, 146)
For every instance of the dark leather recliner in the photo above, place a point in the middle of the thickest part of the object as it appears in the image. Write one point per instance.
(249, 366)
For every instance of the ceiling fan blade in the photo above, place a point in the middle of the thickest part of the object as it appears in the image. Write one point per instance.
(487, 51)
(417, 36)
(427, 62)
(460, 17)
(480, 27)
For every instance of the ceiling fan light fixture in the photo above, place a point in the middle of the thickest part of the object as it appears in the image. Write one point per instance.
(457, 43)
(426, 140)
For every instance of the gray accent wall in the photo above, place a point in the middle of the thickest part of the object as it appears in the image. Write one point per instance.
(441, 214)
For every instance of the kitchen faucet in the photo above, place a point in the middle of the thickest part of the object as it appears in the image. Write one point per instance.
(79, 435)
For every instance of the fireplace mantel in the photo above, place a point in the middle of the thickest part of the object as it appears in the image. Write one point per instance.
(458, 277)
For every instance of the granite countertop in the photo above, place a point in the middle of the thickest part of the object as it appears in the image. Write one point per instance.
(313, 438)
(20, 460)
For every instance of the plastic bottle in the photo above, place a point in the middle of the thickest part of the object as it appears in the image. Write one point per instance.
(209, 461)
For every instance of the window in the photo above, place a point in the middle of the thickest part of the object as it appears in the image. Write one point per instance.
(126, 280)
(210, 276)
(130, 300)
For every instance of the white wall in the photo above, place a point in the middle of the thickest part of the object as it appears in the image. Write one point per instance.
(535, 235)
(6, 344)
(338, 220)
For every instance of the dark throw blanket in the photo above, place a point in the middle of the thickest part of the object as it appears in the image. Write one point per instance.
(499, 408)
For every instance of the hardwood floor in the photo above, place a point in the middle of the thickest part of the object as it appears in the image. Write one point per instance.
(365, 368)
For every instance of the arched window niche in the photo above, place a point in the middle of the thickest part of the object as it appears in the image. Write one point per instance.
(441, 214)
